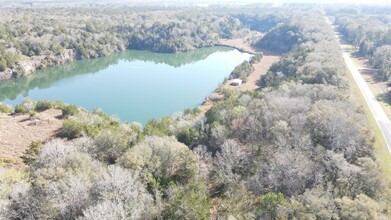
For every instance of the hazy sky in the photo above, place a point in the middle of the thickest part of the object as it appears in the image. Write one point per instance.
(312, 1)
(388, 2)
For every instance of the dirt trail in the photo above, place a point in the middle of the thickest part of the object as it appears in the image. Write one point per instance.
(240, 44)
(17, 132)
(260, 68)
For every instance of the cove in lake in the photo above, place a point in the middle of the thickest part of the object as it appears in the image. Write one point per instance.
(133, 85)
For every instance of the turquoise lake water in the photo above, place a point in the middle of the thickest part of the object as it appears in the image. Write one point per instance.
(133, 85)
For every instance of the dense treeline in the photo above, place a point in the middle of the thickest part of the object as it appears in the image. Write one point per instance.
(313, 53)
(291, 141)
(35, 38)
(31, 39)
(298, 149)
(371, 35)
(262, 22)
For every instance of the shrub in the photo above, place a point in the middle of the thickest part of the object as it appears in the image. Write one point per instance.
(3, 65)
(30, 155)
(164, 159)
(110, 121)
(20, 109)
(192, 112)
(41, 106)
(256, 58)
(32, 114)
(5, 161)
(69, 110)
(5, 108)
(159, 128)
(186, 136)
(190, 202)
(59, 104)
(112, 143)
(242, 71)
(71, 129)
(271, 206)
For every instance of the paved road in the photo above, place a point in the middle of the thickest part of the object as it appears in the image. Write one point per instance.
(381, 118)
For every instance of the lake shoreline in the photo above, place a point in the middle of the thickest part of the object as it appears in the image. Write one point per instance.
(54, 123)
(30, 65)
(261, 68)
(186, 77)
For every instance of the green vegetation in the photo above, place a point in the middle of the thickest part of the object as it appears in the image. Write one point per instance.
(7, 59)
(312, 60)
(60, 35)
(5, 108)
(71, 129)
(281, 38)
(32, 152)
(297, 149)
(242, 71)
(371, 36)
(191, 202)
(271, 206)
(41, 106)
(69, 110)
(158, 128)
(256, 58)
(21, 109)
(263, 20)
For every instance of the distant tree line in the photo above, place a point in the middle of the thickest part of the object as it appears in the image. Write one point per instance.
(371, 36)
(49, 37)
(297, 149)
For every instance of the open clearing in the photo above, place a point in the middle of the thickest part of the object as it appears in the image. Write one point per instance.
(260, 69)
(17, 133)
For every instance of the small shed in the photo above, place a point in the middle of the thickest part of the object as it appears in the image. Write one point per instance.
(236, 82)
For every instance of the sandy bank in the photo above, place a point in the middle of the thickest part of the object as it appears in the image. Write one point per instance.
(260, 68)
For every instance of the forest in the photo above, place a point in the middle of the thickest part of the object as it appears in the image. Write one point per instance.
(370, 33)
(33, 39)
(297, 149)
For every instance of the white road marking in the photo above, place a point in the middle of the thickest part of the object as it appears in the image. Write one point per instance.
(370, 98)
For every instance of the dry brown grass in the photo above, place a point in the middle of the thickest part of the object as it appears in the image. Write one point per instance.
(17, 132)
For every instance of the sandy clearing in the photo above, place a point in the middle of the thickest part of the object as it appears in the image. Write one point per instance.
(260, 68)
(240, 44)
(17, 132)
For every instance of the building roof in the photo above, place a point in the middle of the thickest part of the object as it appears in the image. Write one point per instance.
(239, 81)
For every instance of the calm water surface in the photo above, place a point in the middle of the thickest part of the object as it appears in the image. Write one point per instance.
(134, 85)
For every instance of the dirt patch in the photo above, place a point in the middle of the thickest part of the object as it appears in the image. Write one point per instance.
(17, 132)
(260, 68)
(239, 44)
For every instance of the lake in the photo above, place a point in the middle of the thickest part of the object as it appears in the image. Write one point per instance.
(133, 85)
